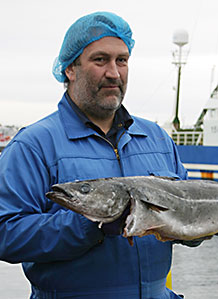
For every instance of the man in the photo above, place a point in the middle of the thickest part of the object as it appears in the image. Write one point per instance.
(91, 136)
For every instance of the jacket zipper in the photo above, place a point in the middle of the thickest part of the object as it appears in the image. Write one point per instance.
(114, 148)
(116, 153)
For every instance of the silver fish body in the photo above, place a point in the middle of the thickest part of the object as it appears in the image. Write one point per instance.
(183, 210)
(169, 209)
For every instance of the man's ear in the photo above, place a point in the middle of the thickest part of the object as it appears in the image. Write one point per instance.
(70, 72)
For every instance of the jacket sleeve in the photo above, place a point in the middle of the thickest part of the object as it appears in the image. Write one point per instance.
(29, 231)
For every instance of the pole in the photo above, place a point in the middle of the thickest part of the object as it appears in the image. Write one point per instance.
(176, 121)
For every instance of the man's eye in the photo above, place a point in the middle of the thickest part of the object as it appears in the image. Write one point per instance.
(99, 59)
(123, 61)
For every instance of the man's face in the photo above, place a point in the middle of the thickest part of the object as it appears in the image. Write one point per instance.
(99, 83)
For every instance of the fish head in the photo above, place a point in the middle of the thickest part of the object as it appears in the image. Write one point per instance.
(101, 198)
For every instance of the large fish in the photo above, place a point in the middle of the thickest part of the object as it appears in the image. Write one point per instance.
(169, 209)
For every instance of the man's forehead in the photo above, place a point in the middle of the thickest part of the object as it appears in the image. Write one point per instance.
(108, 44)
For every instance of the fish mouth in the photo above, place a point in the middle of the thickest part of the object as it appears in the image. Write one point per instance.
(58, 191)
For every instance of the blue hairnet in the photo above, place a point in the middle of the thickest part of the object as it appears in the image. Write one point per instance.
(86, 30)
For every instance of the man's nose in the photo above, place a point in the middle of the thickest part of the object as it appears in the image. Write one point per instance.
(112, 70)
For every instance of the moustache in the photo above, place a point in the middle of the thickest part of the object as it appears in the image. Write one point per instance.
(109, 82)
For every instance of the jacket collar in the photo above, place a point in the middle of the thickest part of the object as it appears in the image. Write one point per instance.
(75, 128)
(135, 129)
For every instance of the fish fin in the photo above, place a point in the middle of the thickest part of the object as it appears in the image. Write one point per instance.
(130, 240)
(156, 226)
(156, 208)
(153, 231)
(167, 178)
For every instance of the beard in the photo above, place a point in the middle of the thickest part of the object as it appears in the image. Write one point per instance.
(96, 99)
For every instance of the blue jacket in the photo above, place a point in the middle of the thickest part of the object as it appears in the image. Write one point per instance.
(65, 255)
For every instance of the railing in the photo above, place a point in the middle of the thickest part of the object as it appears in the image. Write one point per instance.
(187, 137)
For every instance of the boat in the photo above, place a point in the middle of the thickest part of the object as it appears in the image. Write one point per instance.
(198, 145)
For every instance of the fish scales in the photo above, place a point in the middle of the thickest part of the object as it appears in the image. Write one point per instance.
(169, 209)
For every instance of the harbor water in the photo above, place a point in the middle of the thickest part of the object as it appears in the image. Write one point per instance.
(194, 272)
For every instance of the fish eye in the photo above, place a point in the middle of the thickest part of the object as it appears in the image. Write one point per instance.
(85, 188)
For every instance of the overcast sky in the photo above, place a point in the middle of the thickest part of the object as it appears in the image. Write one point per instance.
(31, 34)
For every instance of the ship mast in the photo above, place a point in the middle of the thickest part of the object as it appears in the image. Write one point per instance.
(180, 38)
